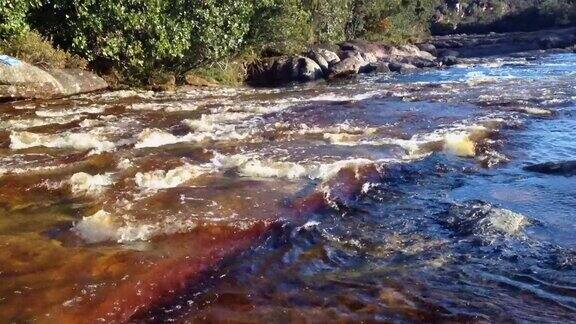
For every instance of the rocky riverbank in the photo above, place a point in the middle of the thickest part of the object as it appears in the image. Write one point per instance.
(19, 80)
(354, 57)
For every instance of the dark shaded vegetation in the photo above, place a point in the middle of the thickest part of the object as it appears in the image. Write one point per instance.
(136, 37)
(484, 16)
(133, 39)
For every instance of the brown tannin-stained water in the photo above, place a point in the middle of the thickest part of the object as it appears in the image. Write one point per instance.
(387, 198)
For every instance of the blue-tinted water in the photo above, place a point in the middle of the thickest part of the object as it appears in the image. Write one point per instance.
(389, 198)
(444, 238)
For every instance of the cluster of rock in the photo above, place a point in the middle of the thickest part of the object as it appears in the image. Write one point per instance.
(478, 45)
(20, 80)
(349, 58)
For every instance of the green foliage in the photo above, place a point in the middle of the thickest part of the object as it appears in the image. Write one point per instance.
(507, 15)
(138, 37)
(395, 21)
(141, 35)
(13, 17)
(280, 27)
(329, 19)
(224, 72)
(34, 49)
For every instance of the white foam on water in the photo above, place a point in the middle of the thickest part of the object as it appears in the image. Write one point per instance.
(535, 111)
(507, 221)
(478, 78)
(161, 179)
(153, 137)
(217, 132)
(78, 141)
(125, 164)
(106, 227)
(212, 122)
(21, 124)
(338, 97)
(70, 112)
(93, 185)
(459, 140)
(100, 227)
(271, 169)
(250, 166)
(459, 144)
(171, 106)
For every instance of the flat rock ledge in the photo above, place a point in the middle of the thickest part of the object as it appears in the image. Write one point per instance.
(20, 80)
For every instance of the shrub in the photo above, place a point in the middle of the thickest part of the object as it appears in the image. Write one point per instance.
(329, 19)
(280, 27)
(139, 36)
(32, 48)
(13, 14)
(394, 21)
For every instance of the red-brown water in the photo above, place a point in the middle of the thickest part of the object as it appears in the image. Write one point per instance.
(387, 198)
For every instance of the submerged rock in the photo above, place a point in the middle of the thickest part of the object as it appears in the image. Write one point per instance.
(449, 60)
(20, 80)
(564, 168)
(401, 67)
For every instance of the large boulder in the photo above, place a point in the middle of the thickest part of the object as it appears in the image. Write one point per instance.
(305, 69)
(449, 60)
(276, 71)
(411, 51)
(317, 57)
(377, 67)
(331, 57)
(447, 52)
(401, 67)
(162, 81)
(20, 80)
(562, 168)
(419, 62)
(380, 51)
(74, 81)
(346, 67)
(427, 47)
(556, 41)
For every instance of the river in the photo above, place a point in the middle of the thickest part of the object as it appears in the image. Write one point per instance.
(396, 198)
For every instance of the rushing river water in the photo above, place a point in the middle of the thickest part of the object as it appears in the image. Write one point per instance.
(386, 198)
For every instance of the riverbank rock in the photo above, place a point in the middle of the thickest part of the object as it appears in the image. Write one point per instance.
(401, 67)
(197, 81)
(20, 80)
(352, 58)
(305, 69)
(479, 45)
(162, 81)
(276, 71)
(563, 168)
(348, 66)
(427, 47)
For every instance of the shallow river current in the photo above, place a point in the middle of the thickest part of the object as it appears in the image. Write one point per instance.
(396, 198)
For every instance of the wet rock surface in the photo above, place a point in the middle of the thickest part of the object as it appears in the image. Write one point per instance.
(20, 80)
(477, 45)
(564, 168)
(351, 59)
